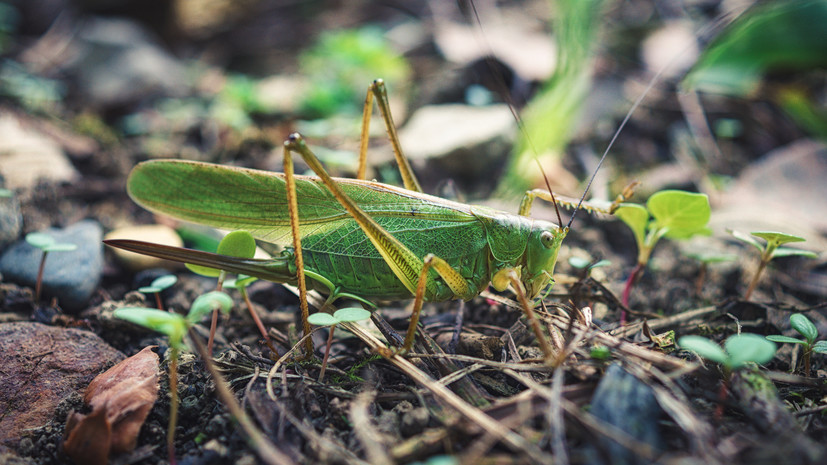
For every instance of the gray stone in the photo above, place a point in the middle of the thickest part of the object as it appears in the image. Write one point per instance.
(73, 276)
(629, 405)
(11, 221)
(117, 62)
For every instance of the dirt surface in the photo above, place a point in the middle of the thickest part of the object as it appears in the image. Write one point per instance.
(476, 388)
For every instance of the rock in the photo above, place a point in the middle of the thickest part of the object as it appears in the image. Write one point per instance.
(11, 220)
(156, 233)
(117, 62)
(73, 276)
(42, 366)
(27, 156)
(465, 143)
(629, 405)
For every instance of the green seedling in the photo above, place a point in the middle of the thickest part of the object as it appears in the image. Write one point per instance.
(47, 244)
(175, 327)
(806, 328)
(706, 259)
(5, 193)
(772, 249)
(344, 315)
(586, 266)
(240, 244)
(672, 214)
(741, 349)
(158, 285)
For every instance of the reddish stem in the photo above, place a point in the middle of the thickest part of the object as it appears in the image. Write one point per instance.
(158, 301)
(39, 282)
(722, 395)
(213, 326)
(259, 324)
(173, 404)
(627, 290)
(326, 353)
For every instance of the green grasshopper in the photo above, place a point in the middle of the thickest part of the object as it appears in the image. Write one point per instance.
(352, 237)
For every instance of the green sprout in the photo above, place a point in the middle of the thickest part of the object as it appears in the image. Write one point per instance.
(47, 244)
(708, 258)
(772, 249)
(806, 328)
(158, 285)
(741, 350)
(345, 315)
(175, 327)
(672, 214)
(235, 244)
(5, 193)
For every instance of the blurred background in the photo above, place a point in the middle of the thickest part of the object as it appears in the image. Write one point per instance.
(88, 88)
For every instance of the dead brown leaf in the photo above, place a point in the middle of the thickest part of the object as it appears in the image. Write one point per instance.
(120, 399)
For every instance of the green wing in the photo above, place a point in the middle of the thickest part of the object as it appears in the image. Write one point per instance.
(255, 201)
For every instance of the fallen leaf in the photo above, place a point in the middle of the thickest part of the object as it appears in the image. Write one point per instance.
(120, 399)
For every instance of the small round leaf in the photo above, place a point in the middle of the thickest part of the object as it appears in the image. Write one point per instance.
(746, 347)
(703, 347)
(39, 240)
(61, 247)
(579, 263)
(791, 252)
(238, 244)
(165, 281)
(744, 237)
(322, 319)
(636, 218)
(785, 340)
(149, 289)
(777, 238)
(804, 326)
(206, 303)
(173, 325)
(683, 213)
(820, 347)
(347, 315)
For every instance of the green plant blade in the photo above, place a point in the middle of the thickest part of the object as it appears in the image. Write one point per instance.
(744, 237)
(703, 347)
(775, 36)
(777, 238)
(39, 240)
(346, 315)
(785, 339)
(743, 348)
(60, 247)
(322, 319)
(804, 326)
(206, 303)
(149, 289)
(820, 347)
(173, 325)
(636, 218)
(235, 244)
(163, 282)
(682, 214)
(791, 252)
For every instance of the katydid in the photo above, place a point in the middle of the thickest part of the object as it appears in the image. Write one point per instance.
(352, 237)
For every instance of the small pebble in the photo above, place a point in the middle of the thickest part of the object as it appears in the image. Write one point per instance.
(156, 233)
(71, 277)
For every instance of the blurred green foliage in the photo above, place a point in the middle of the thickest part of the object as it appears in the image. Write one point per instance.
(340, 66)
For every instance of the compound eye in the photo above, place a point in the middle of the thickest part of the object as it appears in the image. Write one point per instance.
(547, 239)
